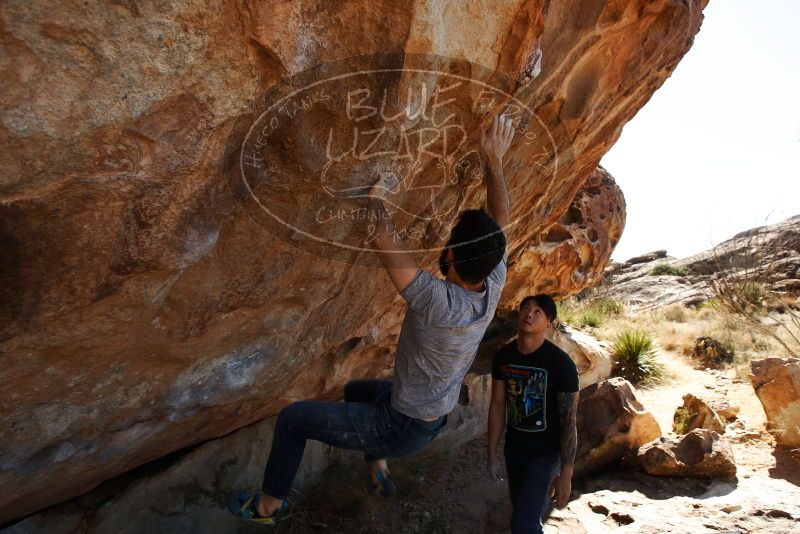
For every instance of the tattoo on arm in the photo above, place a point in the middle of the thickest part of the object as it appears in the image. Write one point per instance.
(568, 414)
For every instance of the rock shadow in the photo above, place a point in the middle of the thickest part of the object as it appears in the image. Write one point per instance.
(787, 466)
(621, 480)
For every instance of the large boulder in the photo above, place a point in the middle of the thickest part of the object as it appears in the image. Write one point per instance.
(573, 252)
(183, 495)
(777, 384)
(696, 413)
(611, 423)
(144, 308)
(590, 356)
(700, 453)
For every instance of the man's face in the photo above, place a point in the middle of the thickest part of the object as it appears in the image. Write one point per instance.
(532, 319)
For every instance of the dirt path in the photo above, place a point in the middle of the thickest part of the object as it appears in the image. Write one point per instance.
(450, 493)
(765, 498)
(681, 378)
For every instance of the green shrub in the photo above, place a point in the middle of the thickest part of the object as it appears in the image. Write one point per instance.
(567, 312)
(753, 294)
(670, 270)
(634, 357)
(591, 318)
(588, 313)
(681, 420)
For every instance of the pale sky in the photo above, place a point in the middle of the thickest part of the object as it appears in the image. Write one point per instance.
(717, 149)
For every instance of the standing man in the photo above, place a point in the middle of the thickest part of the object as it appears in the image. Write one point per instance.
(444, 323)
(535, 398)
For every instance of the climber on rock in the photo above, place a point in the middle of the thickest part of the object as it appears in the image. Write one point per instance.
(444, 323)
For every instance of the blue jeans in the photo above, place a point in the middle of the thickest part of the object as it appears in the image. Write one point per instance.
(365, 421)
(529, 485)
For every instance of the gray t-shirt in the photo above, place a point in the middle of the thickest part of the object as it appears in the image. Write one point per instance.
(441, 331)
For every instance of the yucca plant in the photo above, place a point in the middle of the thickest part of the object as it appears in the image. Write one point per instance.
(634, 357)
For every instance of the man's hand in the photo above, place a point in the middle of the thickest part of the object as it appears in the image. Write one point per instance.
(560, 489)
(494, 143)
(495, 469)
(496, 139)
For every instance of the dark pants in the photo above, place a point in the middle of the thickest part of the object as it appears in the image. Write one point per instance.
(529, 485)
(365, 421)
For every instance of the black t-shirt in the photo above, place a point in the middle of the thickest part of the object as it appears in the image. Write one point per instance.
(531, 382)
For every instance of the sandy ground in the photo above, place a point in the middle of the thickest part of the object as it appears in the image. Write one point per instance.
(451, 493)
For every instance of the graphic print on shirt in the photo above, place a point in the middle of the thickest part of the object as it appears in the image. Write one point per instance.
(526, 389)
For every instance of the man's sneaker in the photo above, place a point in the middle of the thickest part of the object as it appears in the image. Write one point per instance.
(382, 485)
(244, 505)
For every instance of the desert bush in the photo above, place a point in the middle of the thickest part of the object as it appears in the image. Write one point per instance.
(567, 311)
(634, 357)
(590, 317)
(590, 313)
(609, 307)
(669, 270)
(676, 313)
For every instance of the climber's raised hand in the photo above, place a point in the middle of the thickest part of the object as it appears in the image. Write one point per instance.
(496, 139)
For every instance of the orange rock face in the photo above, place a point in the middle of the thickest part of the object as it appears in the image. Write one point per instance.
(144, 309)
(777, 385)
(571, 253)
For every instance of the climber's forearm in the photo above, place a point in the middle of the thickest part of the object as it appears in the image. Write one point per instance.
(399, 264)
(497, 200)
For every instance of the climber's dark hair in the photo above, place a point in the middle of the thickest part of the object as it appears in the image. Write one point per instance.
(545, 302)
(478, 245)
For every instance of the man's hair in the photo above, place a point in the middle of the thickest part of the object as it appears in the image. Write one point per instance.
(545, 302)
(478, 245)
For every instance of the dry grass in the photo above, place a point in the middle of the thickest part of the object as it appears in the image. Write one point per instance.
(676, 330)
(591, 312)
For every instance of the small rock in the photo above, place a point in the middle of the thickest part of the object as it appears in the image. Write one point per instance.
(731, 508)
(647, 258)
(725, 409)
(696, 413)
(779, 514)
(700, 453)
